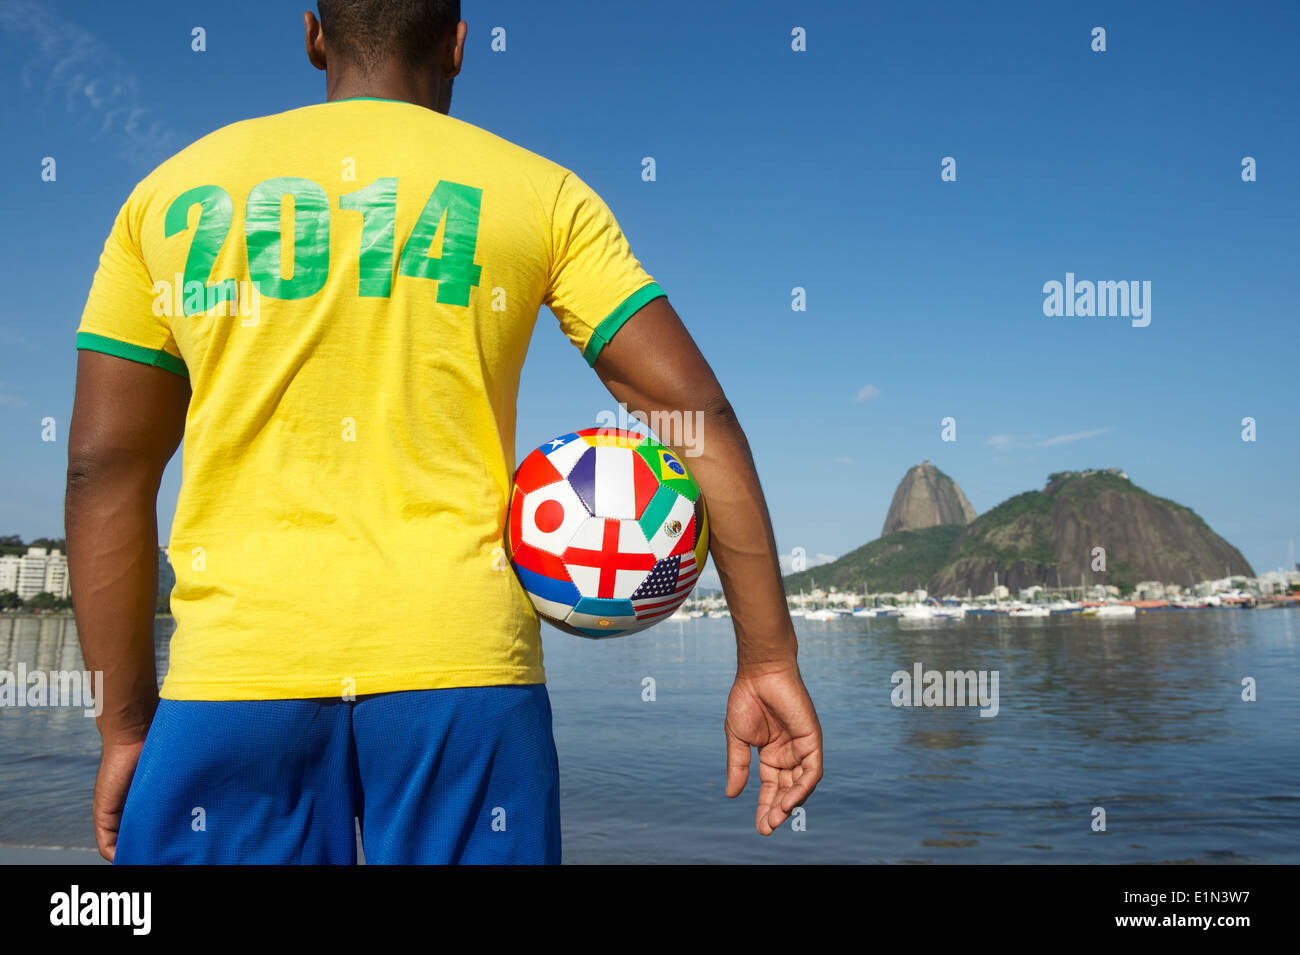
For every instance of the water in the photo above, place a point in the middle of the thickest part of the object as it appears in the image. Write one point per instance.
(1141, 717)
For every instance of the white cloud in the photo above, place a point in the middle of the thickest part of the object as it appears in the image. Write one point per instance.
(1070, 438)
(867, 392)
(1020, 442)
(92, 81)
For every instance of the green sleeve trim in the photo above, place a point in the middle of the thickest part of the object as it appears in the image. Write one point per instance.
(146, 356)
(615, 319)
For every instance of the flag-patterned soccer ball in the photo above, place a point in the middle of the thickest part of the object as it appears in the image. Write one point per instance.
(607, 531)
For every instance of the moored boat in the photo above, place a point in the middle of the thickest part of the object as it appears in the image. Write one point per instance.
(1116, 610)
(1029, 612)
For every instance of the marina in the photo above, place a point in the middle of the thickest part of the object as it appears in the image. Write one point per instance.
(932, 610)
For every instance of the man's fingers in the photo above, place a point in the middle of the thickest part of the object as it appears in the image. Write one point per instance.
(106, 839)
(106, 826)
(117, 764)
(737, 765)
(805, 780)
(776, 815)
(767, 796)
(107, 849)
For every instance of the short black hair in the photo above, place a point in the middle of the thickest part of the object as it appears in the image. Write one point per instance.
(369, 32)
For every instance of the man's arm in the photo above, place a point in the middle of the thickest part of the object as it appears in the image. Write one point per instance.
(653, 365)
(127, 421)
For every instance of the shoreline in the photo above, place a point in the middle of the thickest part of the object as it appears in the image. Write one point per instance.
(50, 855)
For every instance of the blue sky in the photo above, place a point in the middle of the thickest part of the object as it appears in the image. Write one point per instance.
(778, 169)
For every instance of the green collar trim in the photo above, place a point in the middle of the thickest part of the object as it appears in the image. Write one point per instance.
(377, 99)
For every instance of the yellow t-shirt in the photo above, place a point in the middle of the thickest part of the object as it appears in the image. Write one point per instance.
(351, 288)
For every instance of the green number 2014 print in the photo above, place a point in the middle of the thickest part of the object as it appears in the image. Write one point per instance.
(454, 270)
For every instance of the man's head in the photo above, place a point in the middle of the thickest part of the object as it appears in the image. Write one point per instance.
(388, 46)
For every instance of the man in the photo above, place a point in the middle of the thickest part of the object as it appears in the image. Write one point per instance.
(358, 285)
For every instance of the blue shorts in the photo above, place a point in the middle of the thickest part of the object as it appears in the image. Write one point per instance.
(466, 775)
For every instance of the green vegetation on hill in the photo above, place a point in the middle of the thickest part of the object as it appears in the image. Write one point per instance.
(1017, 529)
(900, 561)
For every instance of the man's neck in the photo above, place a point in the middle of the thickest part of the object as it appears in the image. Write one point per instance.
(404, 86)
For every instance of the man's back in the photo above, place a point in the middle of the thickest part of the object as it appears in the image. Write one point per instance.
(350, 436)
(351, 644)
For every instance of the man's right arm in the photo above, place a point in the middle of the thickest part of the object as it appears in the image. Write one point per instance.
(653, 365)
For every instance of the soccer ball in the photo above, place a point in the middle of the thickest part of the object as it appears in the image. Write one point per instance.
(607, 531)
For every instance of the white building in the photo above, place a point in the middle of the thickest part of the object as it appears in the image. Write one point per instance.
(9, 572)
(41, 570)
(843, 598)
(1276, 582)
(56, 575)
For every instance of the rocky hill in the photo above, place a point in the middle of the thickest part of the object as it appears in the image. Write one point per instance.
(1035, 537)
(1042, 537)
(926, 497)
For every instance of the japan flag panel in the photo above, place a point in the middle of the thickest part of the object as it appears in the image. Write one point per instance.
(551, 516)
